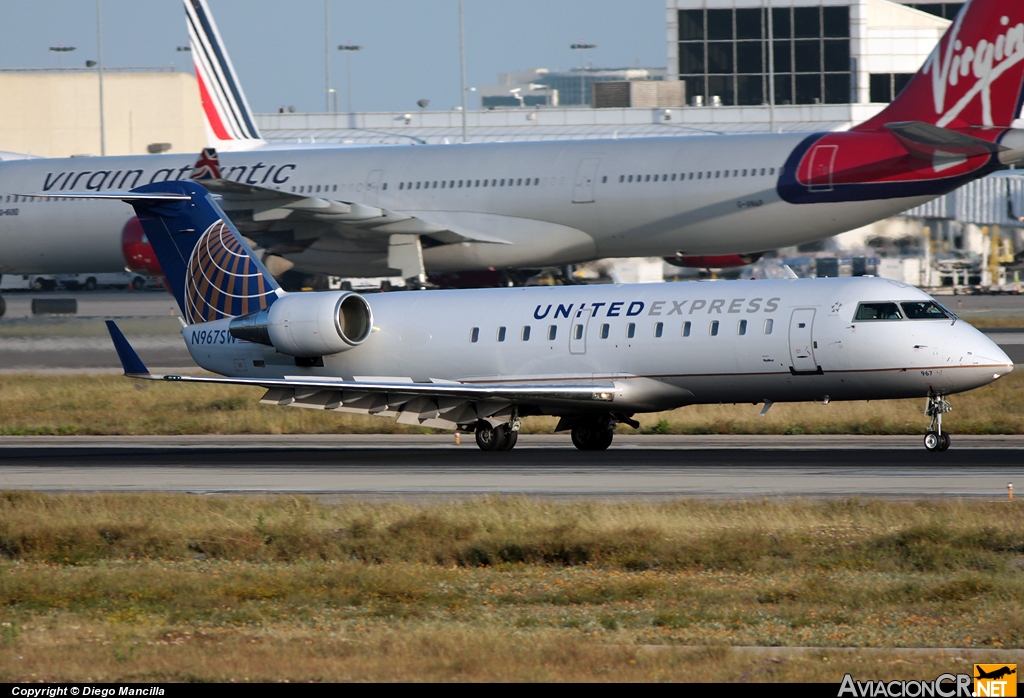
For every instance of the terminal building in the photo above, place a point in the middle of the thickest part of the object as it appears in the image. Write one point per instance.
(56, 112)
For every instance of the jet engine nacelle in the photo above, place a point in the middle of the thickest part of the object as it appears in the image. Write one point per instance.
(722, 261)
(308, 324)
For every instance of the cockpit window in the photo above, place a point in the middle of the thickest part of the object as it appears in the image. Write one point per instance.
(878, 311)
(924, 310)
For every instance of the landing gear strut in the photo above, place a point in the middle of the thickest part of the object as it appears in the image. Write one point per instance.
(935, 439)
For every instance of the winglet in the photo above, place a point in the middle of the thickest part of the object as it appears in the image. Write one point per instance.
(131, 362)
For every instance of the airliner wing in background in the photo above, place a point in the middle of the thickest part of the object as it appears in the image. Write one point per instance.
(284, 223)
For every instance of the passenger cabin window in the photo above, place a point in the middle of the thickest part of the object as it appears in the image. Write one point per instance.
(552, 332)
(604, 331)
(577, 332)
(925, 310)
(631, 330)
(474, 335)
(659, 329)
(742, 329)
(501, 334)
(686, 329)
(878, 311)
(714, 328)
(769, 324)
(526, 333)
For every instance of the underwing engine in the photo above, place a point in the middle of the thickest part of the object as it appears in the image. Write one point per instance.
(308, 324)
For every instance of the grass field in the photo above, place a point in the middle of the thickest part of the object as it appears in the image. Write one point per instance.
(151, 587)
(96, 404)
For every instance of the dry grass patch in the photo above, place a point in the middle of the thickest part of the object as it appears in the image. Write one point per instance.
(153, 587)
(115, 405)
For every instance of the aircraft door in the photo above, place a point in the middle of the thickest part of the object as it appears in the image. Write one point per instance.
(823, 161)
(801, 342)
(578, 332)
(372, 190)
(583, 190)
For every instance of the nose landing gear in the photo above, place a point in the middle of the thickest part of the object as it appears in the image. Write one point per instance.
(935, 439)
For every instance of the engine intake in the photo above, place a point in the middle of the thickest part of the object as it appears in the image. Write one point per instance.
(308, 324)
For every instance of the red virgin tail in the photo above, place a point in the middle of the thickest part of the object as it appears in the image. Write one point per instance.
(973, 77)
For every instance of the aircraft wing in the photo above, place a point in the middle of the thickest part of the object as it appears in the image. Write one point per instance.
(274, 205)
(441, 404)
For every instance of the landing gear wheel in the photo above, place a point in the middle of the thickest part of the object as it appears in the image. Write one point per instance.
(511, 437)
(935, 439)
(499, 438)
(591, 436)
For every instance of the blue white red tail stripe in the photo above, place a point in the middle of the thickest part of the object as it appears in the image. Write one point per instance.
(230, 123)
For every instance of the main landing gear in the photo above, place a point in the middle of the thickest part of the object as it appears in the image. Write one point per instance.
(497, 438)
(596, 433)
(935, 439)
(593, 435)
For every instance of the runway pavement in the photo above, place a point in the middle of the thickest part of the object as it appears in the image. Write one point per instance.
(547, 465)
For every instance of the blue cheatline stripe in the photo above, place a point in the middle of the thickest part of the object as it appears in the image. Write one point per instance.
(211, 35)
(130, 361)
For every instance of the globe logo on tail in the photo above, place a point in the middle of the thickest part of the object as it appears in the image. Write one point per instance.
(222, 279)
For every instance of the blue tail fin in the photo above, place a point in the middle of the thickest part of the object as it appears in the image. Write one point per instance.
(212, 273)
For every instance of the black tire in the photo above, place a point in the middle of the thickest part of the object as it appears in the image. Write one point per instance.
(38, 285)
(3, 306)
(90, 284)
(591, 436)
(933, 442)
(489, 438)
(945, 442)
(138, 282)
(511, 437)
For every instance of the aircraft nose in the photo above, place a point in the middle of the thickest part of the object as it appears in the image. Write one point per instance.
(994, 355)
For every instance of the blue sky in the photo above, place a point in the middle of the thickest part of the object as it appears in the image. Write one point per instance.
(411, 47)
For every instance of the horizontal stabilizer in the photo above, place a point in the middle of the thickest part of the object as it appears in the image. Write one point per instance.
(130, 361)
(928, 141)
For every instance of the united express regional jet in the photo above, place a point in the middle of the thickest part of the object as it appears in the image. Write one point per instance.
(387, 210)
(594, 356)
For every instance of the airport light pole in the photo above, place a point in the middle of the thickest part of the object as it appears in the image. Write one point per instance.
(327, 55)
(582, 46)
(348, 49)
(462, 59)
(99, 65)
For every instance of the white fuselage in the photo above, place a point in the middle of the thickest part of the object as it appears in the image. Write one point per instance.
(695, 195)
(776, 341)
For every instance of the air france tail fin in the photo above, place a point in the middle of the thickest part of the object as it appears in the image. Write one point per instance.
(230, 125)
(973, 78)
(212, 272)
